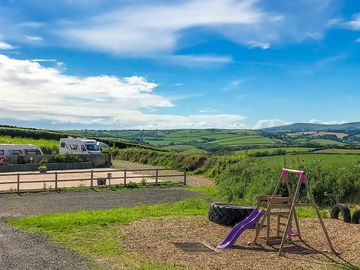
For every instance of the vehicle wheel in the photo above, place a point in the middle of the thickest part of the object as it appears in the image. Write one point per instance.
(228, 214)
(356, 217)
(343, 209)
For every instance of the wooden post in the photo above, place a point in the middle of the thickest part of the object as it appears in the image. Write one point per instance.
(56, 180)
(92, 179)
(18, 183)
(320, 219)
(124, 177)
(156, 176)
(185, 178)
(288, 224)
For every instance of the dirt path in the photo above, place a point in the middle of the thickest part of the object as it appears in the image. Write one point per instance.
(19, 250)
(192, 180)
(12, 205)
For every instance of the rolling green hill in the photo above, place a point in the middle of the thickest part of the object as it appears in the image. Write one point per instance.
(307, 127)
(187, 140)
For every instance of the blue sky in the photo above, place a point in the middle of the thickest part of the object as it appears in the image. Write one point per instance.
(178, 64)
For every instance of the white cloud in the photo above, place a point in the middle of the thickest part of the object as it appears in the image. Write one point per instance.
(145, 29)
(152, 30)
(35, 39)
(31, 92)
(258, 44)
(235, 83)
(267, 123)
(196, 60)
(43, 60)
(5, 46)
(355, 22)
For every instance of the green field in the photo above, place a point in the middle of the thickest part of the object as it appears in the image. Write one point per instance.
(327, 142)
(334, 159)
(272, 149)
(184, 149)
(339, 151)
(187, 140)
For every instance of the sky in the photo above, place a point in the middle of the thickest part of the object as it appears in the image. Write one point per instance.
(168, 64)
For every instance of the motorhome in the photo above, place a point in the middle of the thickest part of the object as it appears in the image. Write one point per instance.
(7, 150)
(80, 146)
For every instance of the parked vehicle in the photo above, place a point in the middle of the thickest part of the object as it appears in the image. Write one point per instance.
(7, 150)
(80, 146)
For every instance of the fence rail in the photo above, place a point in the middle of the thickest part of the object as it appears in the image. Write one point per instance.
(31, 181)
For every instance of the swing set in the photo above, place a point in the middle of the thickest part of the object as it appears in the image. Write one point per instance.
(284, 208)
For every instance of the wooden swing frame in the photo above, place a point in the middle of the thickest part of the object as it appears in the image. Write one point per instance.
(276, 205)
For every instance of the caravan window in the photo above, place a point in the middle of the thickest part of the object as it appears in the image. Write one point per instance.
(2, 153)
(92, 147)
(62, 145)
(74, 147)
(33, 152)
(16, 152)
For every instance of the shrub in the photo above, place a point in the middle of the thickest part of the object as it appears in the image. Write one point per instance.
(240, 177)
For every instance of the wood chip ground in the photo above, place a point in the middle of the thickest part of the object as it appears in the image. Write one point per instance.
(153, 238)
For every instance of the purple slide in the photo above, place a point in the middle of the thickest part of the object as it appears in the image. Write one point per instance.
(239, 228)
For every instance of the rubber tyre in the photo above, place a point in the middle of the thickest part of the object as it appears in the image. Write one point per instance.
(356, 217)
(228, 214)
(343, 209)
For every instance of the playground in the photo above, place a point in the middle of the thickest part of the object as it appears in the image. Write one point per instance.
(154, 238)
(275, 233)
(273, 229)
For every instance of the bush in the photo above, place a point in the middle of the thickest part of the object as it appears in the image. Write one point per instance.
(68, 158)
(240, 177)
(158, 158)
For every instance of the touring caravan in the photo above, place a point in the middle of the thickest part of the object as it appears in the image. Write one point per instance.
(80, 146)
(7, 150)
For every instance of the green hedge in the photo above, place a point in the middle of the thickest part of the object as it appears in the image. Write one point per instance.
(243, 178)
(159, 158)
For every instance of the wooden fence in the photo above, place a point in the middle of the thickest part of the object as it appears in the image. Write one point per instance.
(35, 181)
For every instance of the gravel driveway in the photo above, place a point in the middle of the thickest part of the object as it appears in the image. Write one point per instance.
(19, 250)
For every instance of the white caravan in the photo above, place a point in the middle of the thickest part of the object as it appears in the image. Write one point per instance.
(19, 149)
(80, 146)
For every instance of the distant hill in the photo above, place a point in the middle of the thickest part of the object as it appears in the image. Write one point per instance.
(307, 127)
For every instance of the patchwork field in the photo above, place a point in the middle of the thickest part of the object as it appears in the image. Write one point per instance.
(334, 159)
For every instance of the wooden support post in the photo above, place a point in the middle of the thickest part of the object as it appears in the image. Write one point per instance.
(267, 228)
(297, 224)
(124, 177)
(56, 180)
(321, 221)
(185, 180)
(92, 179)
(278, 226)
(18, 183)
(156, 176)
(288, 224)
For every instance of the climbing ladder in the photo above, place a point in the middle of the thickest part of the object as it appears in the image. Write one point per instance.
(284, 208)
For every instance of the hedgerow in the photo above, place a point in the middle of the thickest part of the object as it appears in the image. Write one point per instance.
(243, 177)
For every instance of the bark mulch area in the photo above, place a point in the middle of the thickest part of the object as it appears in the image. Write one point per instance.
(154, 239)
